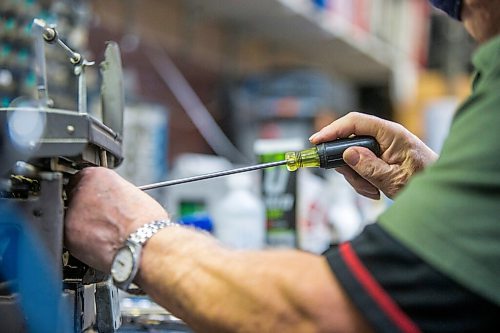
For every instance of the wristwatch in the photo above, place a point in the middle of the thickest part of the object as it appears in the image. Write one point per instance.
(127, 260)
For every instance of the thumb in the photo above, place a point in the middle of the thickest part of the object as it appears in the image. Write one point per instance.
(367, 165)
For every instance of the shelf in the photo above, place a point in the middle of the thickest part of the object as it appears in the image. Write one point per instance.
(325, 39)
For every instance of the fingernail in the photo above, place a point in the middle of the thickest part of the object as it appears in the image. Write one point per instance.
(351, 157)
(313, 136)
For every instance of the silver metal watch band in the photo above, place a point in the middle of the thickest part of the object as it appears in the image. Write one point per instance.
(145, 232)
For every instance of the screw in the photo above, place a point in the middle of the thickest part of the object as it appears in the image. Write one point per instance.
(70, 129)
(76, 58)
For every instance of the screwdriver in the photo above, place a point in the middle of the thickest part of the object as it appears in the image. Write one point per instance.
(326, 155)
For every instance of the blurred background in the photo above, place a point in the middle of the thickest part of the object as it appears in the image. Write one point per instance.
(214, 84)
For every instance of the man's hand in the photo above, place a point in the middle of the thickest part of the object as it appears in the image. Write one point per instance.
(403, 154)
(281, 291)
(103, 210)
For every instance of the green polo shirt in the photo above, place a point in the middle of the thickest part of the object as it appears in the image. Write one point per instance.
(449, 214)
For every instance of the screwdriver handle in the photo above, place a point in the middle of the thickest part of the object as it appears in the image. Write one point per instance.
(330, 153)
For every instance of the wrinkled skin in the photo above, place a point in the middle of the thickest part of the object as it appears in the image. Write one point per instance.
(126, 209)
(403, 154)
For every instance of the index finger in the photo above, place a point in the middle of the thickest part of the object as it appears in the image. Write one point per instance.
(354, 123)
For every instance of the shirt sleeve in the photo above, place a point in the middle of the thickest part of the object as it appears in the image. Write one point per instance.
(397, 291)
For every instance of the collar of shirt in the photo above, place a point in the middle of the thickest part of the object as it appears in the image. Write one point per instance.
(487, 55)
(485, 59)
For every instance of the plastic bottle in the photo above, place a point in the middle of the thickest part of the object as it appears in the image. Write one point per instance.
(239, 217)
(344, 214)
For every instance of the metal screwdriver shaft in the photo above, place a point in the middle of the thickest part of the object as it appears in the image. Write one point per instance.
(211, 175)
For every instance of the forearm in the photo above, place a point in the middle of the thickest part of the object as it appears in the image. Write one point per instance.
(212, 288)
(218, 290)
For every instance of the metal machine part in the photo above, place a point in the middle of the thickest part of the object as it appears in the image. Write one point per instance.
(41, 202)
(44, 32)
(69, 138)
(112, 97)
(108, 313)
(41, 147)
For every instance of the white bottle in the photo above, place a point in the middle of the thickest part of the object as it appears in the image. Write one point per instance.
(344, 215)
(240, 216)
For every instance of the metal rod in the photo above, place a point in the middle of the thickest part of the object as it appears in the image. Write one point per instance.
(82, 88)
(211, 175)
(74, 57)
(38, 29)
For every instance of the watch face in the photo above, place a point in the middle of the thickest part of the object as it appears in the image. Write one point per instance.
(123, 264)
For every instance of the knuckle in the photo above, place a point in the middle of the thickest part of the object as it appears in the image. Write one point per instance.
(88, 172)
(85, 171)
(96, 172)
(354, 115)
(370, 171)
(397, 183)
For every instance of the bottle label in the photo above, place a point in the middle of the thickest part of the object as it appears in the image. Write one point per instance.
(279, 194)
